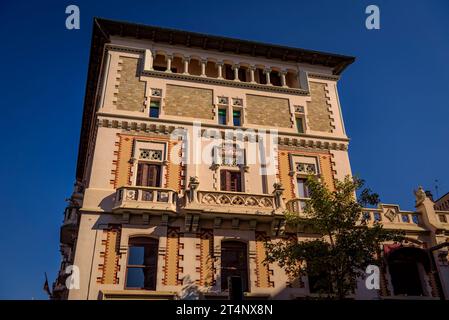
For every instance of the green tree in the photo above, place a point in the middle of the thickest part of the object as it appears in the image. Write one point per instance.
(344, 244)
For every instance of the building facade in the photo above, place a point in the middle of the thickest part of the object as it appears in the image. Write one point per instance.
(192, 148)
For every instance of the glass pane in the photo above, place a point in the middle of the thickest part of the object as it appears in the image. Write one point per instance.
(154, 104)
(234, 262)
(222, 116)
(135, 278)
(236, 118)
(162, 196)
(366, 216)
(154, 112)
(299, 125)
(136, 255)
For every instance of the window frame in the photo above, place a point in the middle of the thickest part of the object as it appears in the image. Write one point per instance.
(140, 144)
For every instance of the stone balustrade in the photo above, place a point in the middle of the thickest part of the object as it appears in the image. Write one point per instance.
(443, 216)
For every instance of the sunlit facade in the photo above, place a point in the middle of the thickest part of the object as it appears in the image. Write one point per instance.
(192, 149)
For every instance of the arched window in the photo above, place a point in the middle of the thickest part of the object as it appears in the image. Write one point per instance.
(141, 270)
(234, 262)
(407, 267)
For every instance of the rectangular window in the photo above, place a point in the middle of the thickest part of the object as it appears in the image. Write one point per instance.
(222, 116)
(230, 181)
(299, 125)
(154, 109)
(303, 191)
(236, 116)
(229, 72)
(148, 175)
(141, 270)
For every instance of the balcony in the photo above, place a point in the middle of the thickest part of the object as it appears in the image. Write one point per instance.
(296, 206)
(138, 199)
(233, 203)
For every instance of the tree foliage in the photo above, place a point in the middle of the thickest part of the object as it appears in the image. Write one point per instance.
(344, 244)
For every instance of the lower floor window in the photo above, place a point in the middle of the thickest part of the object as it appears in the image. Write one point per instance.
(141, 270)
(234, 262)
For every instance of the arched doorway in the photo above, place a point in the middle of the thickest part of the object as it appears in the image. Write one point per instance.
(234, 262)
(408, 267)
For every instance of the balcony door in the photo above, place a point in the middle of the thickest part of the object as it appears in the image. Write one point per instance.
(234, 262)
(148, 175)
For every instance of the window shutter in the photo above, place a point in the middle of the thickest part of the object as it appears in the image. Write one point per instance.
(223, 180)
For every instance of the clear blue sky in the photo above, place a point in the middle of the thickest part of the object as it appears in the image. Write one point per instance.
(394, 100)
